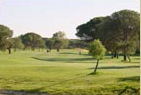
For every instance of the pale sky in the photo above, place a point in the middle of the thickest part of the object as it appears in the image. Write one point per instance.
(46, 17)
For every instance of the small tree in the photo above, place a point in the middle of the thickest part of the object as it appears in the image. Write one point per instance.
(97, 50)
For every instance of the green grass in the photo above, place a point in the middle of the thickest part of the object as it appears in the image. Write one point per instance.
(67, 73)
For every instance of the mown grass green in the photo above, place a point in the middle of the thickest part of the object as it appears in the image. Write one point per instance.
(67, 73)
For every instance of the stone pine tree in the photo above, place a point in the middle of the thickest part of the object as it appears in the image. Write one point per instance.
(109, 35)
(88, 31)
(127, 23)
(118, 32)
(32, 40)
(97, 50)
(6, 41)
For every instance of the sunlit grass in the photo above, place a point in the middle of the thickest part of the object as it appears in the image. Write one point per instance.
(66, 72)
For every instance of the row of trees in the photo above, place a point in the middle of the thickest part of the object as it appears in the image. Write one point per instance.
(29, 40)
(32, 41)
(119, 32)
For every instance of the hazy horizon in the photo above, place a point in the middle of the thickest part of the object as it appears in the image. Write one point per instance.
(46, 17)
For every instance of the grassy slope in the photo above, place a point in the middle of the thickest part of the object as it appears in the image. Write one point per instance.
(66, 72)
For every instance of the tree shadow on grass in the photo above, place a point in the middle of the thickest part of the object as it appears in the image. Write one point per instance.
(133, 78)
(67, 60)
(117, 67)
(36, 91)
(94, 73)
(82, 54)
(129, 91)
(67, 53)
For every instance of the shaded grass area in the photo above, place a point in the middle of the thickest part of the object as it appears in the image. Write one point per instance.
(129, 91)
(117, 67)
(66, 60)
(67, 73)
(133, 78)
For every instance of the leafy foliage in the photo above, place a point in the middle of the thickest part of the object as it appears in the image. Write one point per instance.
(5, 35)
(118, 32)
(89, 30)
(49, 43)
(76, 43)
(17, 43)
(60, 41)
(32, 40)
(59, 35)
(96, 49)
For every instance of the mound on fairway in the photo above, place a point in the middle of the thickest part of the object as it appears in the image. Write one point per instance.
(67, 73)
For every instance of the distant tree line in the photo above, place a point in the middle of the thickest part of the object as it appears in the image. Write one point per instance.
(119, 32)
(32, 41)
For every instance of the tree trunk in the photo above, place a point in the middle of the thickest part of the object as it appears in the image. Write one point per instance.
(48, 50)
(96, 66)
(9, 50)
(57, 49)
(129, 58)
(124, 57)
(112, 56)
(117, 55)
